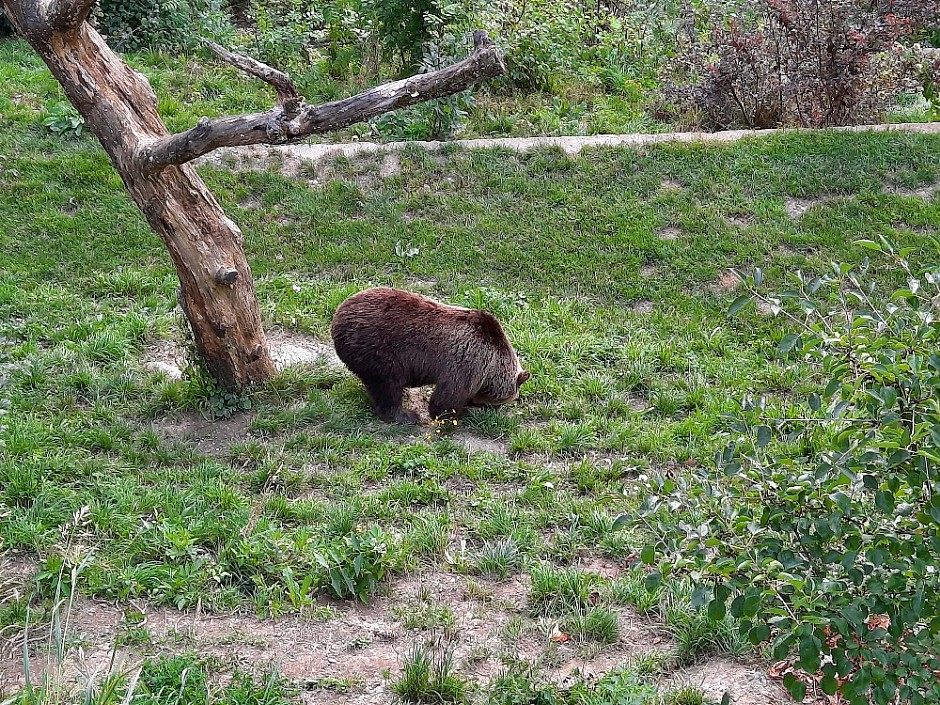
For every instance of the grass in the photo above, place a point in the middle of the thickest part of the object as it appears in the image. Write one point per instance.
(556, 591)
(598, 624)
(620, 398)
(495, 559)
(429, 676)
(424, 616)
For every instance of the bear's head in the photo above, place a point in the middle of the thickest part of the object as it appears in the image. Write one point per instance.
(501, 389)
(502, 374)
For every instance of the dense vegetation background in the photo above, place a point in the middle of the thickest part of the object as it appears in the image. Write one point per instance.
(581, 66)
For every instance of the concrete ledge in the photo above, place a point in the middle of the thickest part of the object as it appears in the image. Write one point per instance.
(570, 145)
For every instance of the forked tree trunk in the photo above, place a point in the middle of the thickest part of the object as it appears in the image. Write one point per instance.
(120, 108)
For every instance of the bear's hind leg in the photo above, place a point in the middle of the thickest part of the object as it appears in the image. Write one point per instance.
(386, 398)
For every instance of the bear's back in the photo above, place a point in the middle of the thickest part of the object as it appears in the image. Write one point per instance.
(389, 329)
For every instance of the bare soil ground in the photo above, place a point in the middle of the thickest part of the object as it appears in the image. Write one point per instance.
(364, 643)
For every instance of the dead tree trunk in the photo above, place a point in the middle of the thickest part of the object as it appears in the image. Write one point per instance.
(120, 108)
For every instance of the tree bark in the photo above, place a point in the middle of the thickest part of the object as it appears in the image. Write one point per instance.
(217, 292)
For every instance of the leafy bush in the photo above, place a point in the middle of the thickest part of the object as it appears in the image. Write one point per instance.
(284, 31)
(436, 119)
(407, 27)
(63, 119)
(530, 34)
(157, 24)
(813, 63)
(820, 529)
(355, 567)
(203, 391)
(930, 77)
(550, 44)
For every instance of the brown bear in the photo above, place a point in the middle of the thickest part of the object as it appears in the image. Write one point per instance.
(393, 339)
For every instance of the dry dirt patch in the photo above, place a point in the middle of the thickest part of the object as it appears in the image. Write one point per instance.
(741, 221)
(926, 192)
(209, 436)
(797, 207)
(250, 202)
(764, 309)
(478, 444)
(726, 283)
(361, 642)
(670, 232)
(391, 165)
(165, 356)
(746, 685)
(288, 348)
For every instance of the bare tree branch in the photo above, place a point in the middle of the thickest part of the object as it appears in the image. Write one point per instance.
(276, 126)
(66, 15)
(287, 95)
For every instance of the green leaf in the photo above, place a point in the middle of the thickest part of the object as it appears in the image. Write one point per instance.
(648, 554)
(763, 436)
(653, 581)
(885, 501)
(621, 522)
(788, 342)
(759, 634)
(336, 583)
(809, 653)
(349, 583)
(716, 610)
(899, 456)
(738, 304)
(829, 684)
(795, 687)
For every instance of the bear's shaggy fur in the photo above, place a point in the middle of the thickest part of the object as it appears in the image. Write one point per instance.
(393, 339)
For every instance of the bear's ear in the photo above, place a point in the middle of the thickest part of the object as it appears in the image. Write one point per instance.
(523, 377)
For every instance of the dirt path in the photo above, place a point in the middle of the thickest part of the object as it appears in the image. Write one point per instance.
(291, 154)
(363, 645)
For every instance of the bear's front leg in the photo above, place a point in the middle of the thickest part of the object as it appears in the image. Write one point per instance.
(448, 401)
